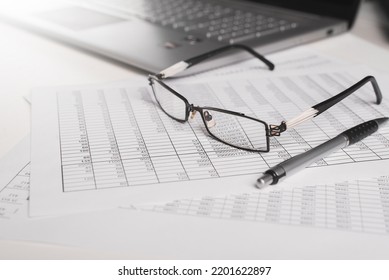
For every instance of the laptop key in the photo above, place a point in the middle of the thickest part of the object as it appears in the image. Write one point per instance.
(242, 38)
(210, 19)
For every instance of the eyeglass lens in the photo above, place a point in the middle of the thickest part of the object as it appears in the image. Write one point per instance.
(169, 102)
(235, 130)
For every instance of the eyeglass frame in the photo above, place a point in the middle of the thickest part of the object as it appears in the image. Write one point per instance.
(270, 129)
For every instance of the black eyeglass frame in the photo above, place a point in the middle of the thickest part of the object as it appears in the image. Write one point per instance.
(190, 108)
(185, 64)
(271, 130)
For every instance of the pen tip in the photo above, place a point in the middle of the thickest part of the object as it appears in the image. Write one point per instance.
(260, 184)
(264, 181)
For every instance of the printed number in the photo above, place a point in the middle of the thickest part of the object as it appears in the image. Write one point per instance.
(241, 270)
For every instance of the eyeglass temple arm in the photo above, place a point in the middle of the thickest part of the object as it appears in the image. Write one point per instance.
(316, 110)
(185, 64)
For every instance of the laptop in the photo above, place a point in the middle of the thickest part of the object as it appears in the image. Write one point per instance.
(154, 34)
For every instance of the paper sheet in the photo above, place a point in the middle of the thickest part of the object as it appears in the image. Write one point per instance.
(296, 59)
(15, 181)
(224, 227)
(356, 205)
(133, 234)
(148, 235)
(13, 195)
(98, 147)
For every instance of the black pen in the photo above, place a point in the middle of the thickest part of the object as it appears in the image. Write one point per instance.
(296, 163)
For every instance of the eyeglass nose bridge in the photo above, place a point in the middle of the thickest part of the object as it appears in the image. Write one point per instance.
(205, 115)
(192, 110)
(209, 119)
(192, 114)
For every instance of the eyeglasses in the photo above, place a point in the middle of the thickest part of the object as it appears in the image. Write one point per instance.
(233, 128)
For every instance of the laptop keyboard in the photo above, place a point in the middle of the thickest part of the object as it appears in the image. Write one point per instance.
(211, 19)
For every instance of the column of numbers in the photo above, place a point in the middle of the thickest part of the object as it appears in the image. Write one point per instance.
(77, 169)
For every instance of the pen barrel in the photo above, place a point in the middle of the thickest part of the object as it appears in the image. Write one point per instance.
(348, 137)
(294, 164)
(303, 160)
(357, 133)
(290, 166)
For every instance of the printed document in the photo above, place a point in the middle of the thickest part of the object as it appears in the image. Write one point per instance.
(355, 211)
(15, 182)
(97, 147)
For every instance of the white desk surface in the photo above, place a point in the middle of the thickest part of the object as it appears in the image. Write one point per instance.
(29, 60)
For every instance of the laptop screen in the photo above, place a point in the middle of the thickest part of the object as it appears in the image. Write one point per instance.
(343, 9)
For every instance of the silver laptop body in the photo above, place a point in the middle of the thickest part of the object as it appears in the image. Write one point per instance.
(154, 34)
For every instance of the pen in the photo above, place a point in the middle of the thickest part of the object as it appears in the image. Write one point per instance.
(294, 164)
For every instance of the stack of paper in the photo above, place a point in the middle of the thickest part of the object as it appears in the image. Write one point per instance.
(105, 146)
